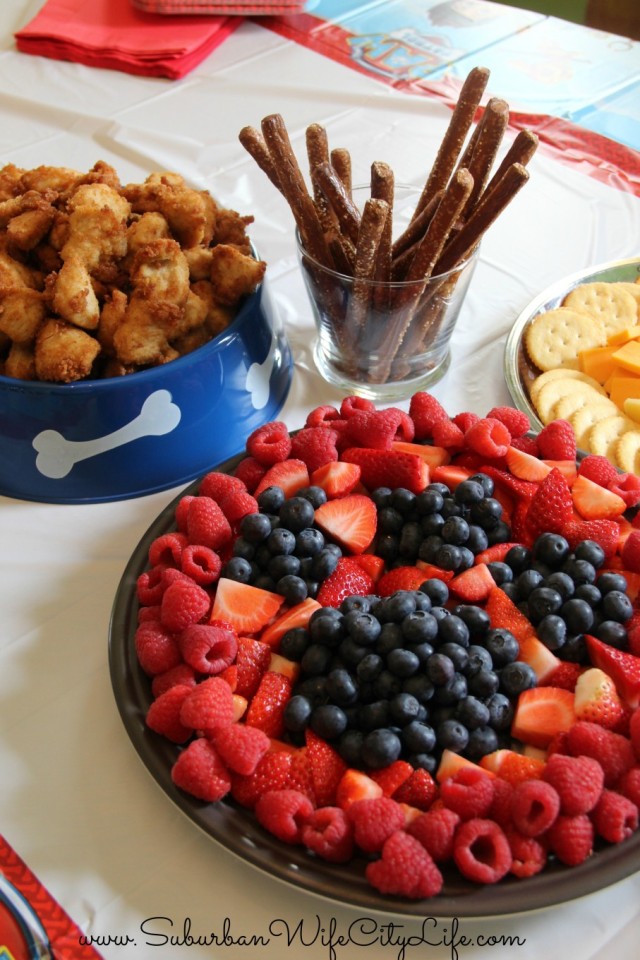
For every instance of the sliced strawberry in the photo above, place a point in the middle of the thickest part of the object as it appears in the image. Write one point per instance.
(604, 532)
(400, 578)
(541, 713)
(565, 675)
(371, 564)
(598, 701)
(252, 660)
(291, 475)
(451, 762)
(356, 785)
(512, 766)
(266, 710)
(568, 469)
(541, 660)
(418, 791)
(392, 777)
(271, 773)
(621, 666)
(327, 768)
(388, 468)
(347, 580)
(246, 608)
(473, 585)
(337, 478)
(432, 572)
(279, 664)
(517, 487)
(594, 502)
(551, 509)
(505, 614)
(297, 616)
(495, 553)
(451, 475)
(434, 456)
(633, 633)
(351, 521)
(525, 466)
(300, 775)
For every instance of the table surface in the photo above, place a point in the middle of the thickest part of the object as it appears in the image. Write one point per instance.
(75, 800)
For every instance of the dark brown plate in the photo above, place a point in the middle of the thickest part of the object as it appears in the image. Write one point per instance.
(238, 831)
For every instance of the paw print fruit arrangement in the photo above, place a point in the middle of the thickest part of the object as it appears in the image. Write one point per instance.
(406, 637)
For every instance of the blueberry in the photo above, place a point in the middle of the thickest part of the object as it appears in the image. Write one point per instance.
(402, 662)
(387, 685)
(616, 606)
(502, 645)
(362, 626)
(292, 588)
(484, 682)
(294, 643)
(440, 669)
(578, 615)
(314, 494)
(581, 571)
(472, 712)
(387, 547)
(419, 686)
(296, 513)
(429, 501)
(501, 712)
(419, 627)
(543, 601)
(282, 565)
(485, 482)
(410, 541)
(436, 590)
(389, 520)
(552, 631)
(398, 606)
(449, 693)
(297, 713)
(390, 639)
(403, 500)
(431, 525)
(476, 619)
(551, 549)
(477, 541)
(516, 677)
(589, 592)
(244, 549)
(271, 499)
(380, 748)
(326, 627)
(238, 569)
(575, 649)
(451, 509)
(340, 687)
(448, 557)
(527, 581)
(315, 660)
(418, 737)
(456, 653)
(370, 667)
(487, 513)
(613, 633)
(609, 580)
(351, 652)
(470, 491)
(499, 533)
(590, 551)
(255, 527)
(518, 558)
(482, 740)
(350, 747)
(501, 572)
(452, 735)
(328, 721)
(381, 496)
(479, 658)
(455, 530)
(264, 582)
(313, 689)
(561, 582)
(403, 708)
(281, 540)
(309, 542)
(324, 563)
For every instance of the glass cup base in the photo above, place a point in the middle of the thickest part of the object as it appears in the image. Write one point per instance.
(380, 392)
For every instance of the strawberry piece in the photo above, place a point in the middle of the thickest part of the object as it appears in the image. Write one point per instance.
(631, 552)
(351, 521)
(557, 441)
(252, 661)
(271, 773)
(540, 713)
(432, 455)
(621, 666)
(568, 469)
(565, 675)
(337, 478)
(633, 633)
(371, 564)
(551, 509)
(400, 578)
(505, 614)
(594, 502)
(473, 585)
(392, 776)
(300, 777)
(280, 664)
(247, 608)
(419, 790)
(512, 766)
(525, 466)
(290, 475)
(451, 475)
(266, 710)
(495, 553)
(348, 579)
(296, 616)
(388, 468)
(451, 763)
(355, 785)
(604, 532)
(327, 768)
(432, 572)
(597, 700)
(503, 480)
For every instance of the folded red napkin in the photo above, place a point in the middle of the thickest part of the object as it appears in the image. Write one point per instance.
(243, 8)
(113, 34)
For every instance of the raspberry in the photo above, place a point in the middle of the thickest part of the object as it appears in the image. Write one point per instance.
(208, 648)
(149, 586)
(627, 486)
(516, 422)
(182, 510)
(468, 792)
(238, 504)
(500, 809)
(241, 747)
(183, 603)
(629, 785)
(352, 404)
(614, 817)
(465, 420)
(488, 437)
(250, 472)
(435, 830)
(208, 706)
(270, 443)
(571, 839)
(425, 411)
(157, 650)
(534, 807)
(481, 851)
(577, 780)
(526, 444)
(149, 614)
(597, 468)
(448, 434)
(528, 854)
(405, 869)
(613, 752)
(329, 834)
(284, 813)
(631, 552)
(315, 446)
(201, 564)
(557, 441)
(163, 716)
(180, 675)
(322, 416)
(218, 485)
(167, 549)
(200, 772)
(374, 820)
(207, 524)
(372, 428)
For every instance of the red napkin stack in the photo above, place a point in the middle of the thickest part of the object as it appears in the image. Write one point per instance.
(244, 8)
(113, 34)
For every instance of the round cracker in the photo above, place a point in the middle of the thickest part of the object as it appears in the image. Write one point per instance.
(571, 402)
(586, 417)
(628, 451)
(604, 435)
(556, 337)
(555, 390)
(609, 302)
(631, 287)
(569, 373)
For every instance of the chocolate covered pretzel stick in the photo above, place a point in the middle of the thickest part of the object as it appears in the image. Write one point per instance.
(251, 139)
(345, 210)
(341, 163)
(490, 133)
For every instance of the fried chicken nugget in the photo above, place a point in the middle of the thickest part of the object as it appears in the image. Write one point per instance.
(21, 362)
(218, 316)
(199, 260)
(22, 310)
(160, 272)
(10, 177)
(64, 353)
(234, 274)
(13, 273)
(28, 229)
(74, 298)
(141, 339)
(143, 229)
(98, 217)
(112, 316)
(185, 209)
(46, 177)
(230, 228)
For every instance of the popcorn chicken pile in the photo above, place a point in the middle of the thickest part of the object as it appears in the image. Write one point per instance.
(100, 279)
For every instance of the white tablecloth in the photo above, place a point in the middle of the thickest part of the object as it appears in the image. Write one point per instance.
(75, 800)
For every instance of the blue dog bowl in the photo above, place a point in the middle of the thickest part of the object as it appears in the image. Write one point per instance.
(124, 437)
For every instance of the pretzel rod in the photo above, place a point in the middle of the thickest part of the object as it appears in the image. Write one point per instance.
(252, 141)
(382, 188)
(294, 189)
(486, 211)
(345, 210)
(521, 151)
(374, 217)
(461, 120)
(490, 133)
(404, 247)
(318, 153)
(341, 163)
(343, 252)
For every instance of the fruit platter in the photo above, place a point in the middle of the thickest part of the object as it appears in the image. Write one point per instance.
(394, 658)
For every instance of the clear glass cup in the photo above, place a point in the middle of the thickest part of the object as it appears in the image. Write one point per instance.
(383, 340)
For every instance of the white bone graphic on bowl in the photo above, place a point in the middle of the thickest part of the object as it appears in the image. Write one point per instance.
(258, 377)
(57, 455)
